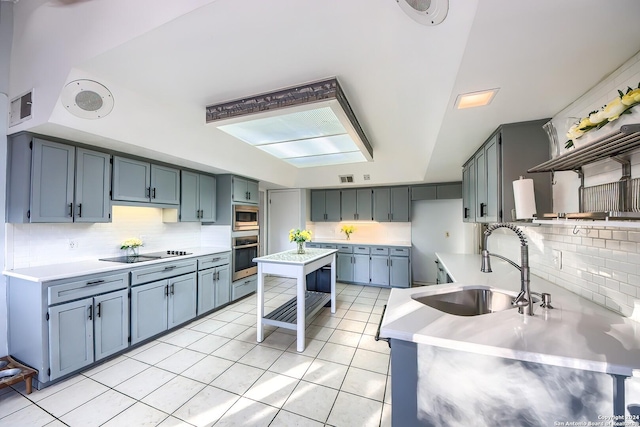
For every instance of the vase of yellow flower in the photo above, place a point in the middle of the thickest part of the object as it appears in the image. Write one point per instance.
(348, 229)
(131, 246)
(299, 236)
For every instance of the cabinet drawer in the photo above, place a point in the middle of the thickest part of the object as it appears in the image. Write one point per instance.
(86, 288)
(211, 261)
(345, 249)
(361, 250)
(243, 287)
(328, 246)
(400, 251)
(379, 250)
(312, 245)
(162, 271)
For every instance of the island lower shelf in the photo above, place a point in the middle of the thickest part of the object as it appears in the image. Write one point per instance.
(285, 316)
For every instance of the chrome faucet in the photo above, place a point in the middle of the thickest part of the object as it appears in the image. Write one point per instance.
(523, 301)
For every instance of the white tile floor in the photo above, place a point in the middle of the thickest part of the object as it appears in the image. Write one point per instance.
(213, 372)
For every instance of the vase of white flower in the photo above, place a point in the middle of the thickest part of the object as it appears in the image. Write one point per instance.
(132, 247)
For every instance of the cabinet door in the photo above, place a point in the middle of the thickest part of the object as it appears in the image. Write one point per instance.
(223, 285)
(93, 182)
(111, 323)
(349, 199)
(182, 299)
(131, 180)
(317, 205)
(332, 205)
(481, 187)
(165, 185)
(148, 310)
(469, 193)
(363, 196)
(400, 199)
(379, 270)
(207, 198)
(361, 268)
(493, 186)
(70, 337)
(240, 192)
(252, 192)
(381, 205)
(52, 182)
(206, 290)
(399, 272)
(344, 267)
(189, 200)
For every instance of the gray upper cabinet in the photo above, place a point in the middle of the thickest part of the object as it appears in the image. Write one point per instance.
(325, 205)
(469, 192)
(197, 197)
(140, 181)
(440, 191)
(356, 204)
(391, 204)
(245, 191)
(93, 183)
(53, 182)
(488, 176)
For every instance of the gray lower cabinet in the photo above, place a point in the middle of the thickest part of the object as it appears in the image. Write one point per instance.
(344, 267)
(379, 270)
(84, 331)
(161, 305)
(398, 271)
(197, 197)
(360, 268)
(214, 288)
(53, 182)
(241, 288)
(140, 181)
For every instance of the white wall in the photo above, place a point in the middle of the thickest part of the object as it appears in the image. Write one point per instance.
(437, 226)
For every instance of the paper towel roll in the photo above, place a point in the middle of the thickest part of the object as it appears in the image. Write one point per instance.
(524, 197)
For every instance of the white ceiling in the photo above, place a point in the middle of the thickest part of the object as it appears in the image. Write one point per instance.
(165, 64)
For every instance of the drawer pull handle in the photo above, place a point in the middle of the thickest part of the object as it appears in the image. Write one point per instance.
(215, 259)
(170, 267)
(95, 282)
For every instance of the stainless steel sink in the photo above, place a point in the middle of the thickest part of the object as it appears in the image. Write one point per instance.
(468, 302)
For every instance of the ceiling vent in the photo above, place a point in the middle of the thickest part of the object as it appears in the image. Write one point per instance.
(87, 99)
(425, 12)
(20, 109)
(346, 179)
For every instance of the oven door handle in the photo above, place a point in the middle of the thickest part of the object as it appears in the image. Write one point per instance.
(253, 245)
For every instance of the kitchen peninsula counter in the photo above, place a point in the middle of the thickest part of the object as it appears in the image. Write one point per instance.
(47, 273)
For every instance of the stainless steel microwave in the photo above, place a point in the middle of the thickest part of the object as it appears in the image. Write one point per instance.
(245, 218)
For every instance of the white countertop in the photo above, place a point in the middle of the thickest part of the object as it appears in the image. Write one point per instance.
(47, 273)
(577, 333)
(294, 258)
(355, 241)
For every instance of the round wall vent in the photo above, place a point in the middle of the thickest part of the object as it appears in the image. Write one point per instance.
(426, 12)
(87, 99)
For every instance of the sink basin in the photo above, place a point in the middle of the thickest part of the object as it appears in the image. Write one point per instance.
(468, 302)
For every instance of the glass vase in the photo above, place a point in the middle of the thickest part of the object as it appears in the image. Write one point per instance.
(300, 247)
(133, 251)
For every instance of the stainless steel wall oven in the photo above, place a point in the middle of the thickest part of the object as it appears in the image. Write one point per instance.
(245, 249)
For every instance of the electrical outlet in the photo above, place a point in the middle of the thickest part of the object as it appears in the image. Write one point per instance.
(446, 234)
(557, 259)
(73, 244)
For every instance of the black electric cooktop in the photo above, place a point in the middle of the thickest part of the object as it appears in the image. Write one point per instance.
(145, 257)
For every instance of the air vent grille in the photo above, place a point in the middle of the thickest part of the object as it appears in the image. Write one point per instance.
(346, 179)
(20, 109)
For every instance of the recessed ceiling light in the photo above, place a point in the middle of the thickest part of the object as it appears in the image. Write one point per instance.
(305, 126)
(475, 99)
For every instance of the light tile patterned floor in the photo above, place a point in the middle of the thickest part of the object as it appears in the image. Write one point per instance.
(213, 372)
